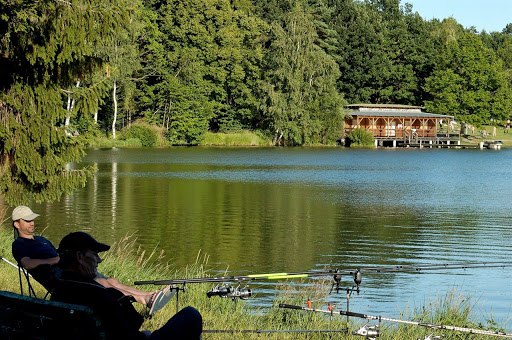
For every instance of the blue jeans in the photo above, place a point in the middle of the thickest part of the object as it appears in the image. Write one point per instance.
(186, 324)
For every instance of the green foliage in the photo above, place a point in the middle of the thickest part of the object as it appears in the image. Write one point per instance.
(470, 81)
(385, 52)
(206, 56)
(194, 66)
(303, 104)
(361, 137)
(46, 47)
(188, 127)
(144, 133)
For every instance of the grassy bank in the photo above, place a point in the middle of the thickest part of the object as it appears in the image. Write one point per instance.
(485, 133)
(128, 263)
(242, 138)
(255, 138)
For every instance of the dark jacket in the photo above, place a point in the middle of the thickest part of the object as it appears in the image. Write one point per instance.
(119, 317)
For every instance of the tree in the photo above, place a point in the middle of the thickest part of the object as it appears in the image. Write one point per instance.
(470, 81)
(206, 60)
(384, 51)
(362, 60)
(46, 47)
(303, 104)
(123, 59)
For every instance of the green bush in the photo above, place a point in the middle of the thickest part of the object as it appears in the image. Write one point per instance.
(360, 137)
(142, 132)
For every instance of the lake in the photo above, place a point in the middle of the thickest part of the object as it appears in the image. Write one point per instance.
(258, 210)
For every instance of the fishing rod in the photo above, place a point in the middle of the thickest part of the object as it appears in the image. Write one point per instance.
(329, 272)
(269, 331)
(224, 290)
(372, 332)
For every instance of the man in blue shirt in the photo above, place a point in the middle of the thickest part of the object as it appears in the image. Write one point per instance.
(34, 253)
(40, 258)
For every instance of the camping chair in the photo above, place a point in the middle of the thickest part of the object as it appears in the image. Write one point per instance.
(23, 317)
(31, 292)
(22, 273)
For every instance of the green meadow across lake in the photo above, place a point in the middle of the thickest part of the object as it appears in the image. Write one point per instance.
(264, 210)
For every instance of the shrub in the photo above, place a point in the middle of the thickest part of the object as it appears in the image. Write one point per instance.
(186, 130)
(142, 132)
(360, 137)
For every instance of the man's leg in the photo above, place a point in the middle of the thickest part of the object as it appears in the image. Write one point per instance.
(186, 324)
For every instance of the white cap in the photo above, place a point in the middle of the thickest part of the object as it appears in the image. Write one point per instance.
(24, 213)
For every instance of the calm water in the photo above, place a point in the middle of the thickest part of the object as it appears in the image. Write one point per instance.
(271, 210)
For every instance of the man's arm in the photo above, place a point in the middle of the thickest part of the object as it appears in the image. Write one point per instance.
(28, 263)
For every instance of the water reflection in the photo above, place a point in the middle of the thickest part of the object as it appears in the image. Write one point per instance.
(113, 209)
(270, 210)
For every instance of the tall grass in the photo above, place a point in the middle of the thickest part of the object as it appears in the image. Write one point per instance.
(242, 138)
(129, 263)
(106, 142)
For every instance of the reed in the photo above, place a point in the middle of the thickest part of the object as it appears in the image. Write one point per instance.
(128, 263)
(242, 138)
(106, 142)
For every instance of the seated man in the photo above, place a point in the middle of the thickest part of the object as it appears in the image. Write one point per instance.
(79, 261)
(39, 257)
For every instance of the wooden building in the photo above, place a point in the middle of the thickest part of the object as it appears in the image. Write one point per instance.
(401, 125)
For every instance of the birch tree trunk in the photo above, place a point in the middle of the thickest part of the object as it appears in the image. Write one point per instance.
(114, 99)
(70, 106)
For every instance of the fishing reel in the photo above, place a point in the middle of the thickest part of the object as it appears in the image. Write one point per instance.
(228, 291)
(369, 332)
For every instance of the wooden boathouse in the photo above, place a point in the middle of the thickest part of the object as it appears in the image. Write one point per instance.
(396, 125)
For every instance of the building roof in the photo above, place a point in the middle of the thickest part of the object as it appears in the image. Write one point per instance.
(392, 110)
(384, 106)
(398, 113)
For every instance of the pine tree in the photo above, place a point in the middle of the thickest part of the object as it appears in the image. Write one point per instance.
(46, 47)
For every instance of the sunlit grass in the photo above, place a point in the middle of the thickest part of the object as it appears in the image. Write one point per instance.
(506, 138)
(242, 138)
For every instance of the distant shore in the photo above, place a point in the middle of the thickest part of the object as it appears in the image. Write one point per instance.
(248, 138)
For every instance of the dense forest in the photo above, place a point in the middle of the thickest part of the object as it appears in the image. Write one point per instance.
(70, 69)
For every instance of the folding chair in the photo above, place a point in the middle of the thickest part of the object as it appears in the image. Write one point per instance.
(23, 273)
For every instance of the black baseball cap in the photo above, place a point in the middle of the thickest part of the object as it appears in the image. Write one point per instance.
(81, 241)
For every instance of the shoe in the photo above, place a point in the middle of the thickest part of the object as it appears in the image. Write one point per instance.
(160, 299)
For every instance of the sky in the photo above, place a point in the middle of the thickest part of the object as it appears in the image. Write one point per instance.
(488, 15)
